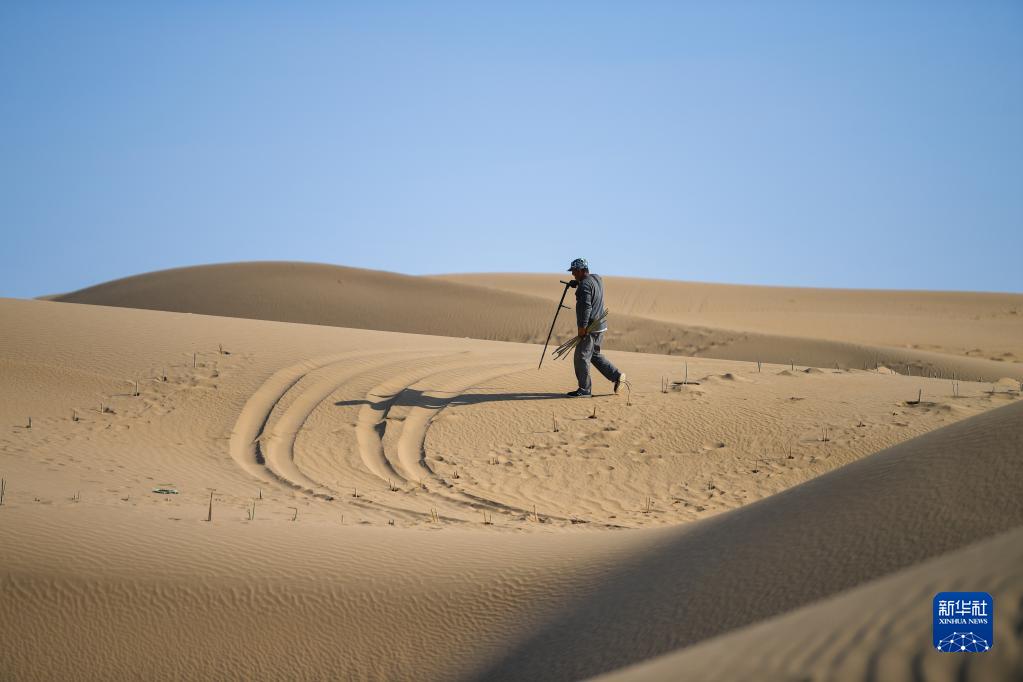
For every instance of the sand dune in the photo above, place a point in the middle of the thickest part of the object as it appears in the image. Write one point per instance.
(809, 327)
(974, 324)
(872, 632)
(390, 505)
(880, 514)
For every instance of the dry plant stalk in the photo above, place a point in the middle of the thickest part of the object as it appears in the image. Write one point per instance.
(562, 351)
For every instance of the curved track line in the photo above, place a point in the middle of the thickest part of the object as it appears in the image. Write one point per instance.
(284, 433)
(244, 445)
(372, 421)
(402, 461)
(280, 446)
(410, 447)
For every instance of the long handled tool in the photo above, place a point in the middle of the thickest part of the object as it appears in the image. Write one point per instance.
(561, 304)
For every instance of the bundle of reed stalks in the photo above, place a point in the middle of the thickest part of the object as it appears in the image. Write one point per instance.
(563, 350)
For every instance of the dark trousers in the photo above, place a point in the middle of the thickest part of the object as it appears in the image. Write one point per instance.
(588, 351)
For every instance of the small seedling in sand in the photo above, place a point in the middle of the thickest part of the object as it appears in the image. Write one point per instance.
(487, 520)
(919, 395)
(220, 348)
(74, 415)
(454, 474)
(649, 506)
(824, 434)
(209, 514)
(555, 417)
(77, 497)
(294, 509)
(536, 517)
(251, 513)
(390, 522)
(3, 489)
(260, 493)
(135, 393)
(342, 519)
(792, 365)
(355, 492)
(193, 361)
(29, 423)
(758, 365)
(163, 374)
(434, 516)
(594, 415)
(390, 486)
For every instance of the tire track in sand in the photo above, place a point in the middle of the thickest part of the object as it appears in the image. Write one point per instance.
(248, 432)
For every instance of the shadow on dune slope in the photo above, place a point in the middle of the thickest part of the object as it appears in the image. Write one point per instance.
(888, 511)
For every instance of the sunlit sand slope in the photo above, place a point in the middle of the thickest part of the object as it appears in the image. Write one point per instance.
(389, 505)
(826, 329)
(974, 324)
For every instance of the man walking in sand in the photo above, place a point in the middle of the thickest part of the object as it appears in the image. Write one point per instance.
(589, 307)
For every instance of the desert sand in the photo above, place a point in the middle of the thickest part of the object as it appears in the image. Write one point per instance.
(973, 336)
(779, 493)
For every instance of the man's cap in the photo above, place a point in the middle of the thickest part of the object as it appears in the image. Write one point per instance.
(579, 264)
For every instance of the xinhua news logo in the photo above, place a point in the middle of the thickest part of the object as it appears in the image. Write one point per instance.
(964, 622)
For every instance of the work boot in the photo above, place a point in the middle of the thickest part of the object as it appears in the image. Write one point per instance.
(618, 382)
(579, 393)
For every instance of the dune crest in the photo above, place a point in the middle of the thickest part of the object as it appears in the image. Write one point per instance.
(809, 327)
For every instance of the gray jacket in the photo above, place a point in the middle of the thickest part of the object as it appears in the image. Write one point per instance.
(589, 302)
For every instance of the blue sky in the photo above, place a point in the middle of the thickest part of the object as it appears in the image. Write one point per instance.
(858, 144)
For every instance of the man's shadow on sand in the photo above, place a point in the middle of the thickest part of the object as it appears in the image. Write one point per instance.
(411, 397)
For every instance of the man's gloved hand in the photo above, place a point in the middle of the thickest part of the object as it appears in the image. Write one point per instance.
(582, 331)
(574, 283)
